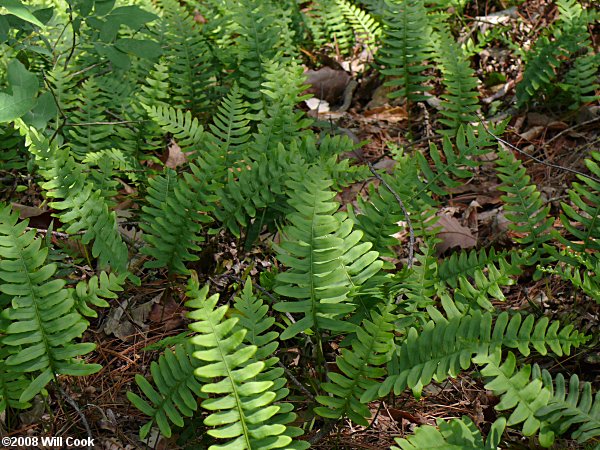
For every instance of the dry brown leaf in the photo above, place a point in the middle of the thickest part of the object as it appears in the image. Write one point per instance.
(175, 156)
(453, 234)
(327, 84)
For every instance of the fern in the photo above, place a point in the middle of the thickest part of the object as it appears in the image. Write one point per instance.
(324, 256)
(406, 49)
(460, 101)
(359, 368)
(581, 80)
(524, 208)
(172, 220)
(365, 27)
(185, 129)
(242, 410)
(85, 209)
(86, 133)
(43, 322)
(467, 263)
(175, 391)
(446, 346)
(252, 314)
(189, 62)
(586, 197)
(470, 143)
(456, 434)
(330, 26)
(572, 406)
(96, 291)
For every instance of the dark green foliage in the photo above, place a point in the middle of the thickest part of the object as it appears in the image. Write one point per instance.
(175, 391)
(177, 208)
(406, 49)
(571, 406)
(460, 101)
(568, 37)
(444, 347)
(586, 197)
(359, 368)
(524, 208)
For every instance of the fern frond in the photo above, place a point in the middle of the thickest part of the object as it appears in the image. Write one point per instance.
(43, 320)
(359, 367)
(186, 129)
(96, 291)
(581, 81)
(188, 61)
(586, 197)
(573, 406)
(465, 264)
(174, 392)
(324, 257)
(470, 143)
(172, 223)
(406, 49)
(460, 101)
(444, 347)
(242, 409)
(331, 25)
(366, 28)
(12, 384)
(252, 314)
(90, 135)
(456, 434)
(524, 208)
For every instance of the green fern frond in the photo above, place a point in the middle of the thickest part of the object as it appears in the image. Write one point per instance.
(359, 367)
(581, 81)
(456, 434)
(461, 100)
(189, 61)
(586, 197)
(330, 25)
(406, 49)
(43, 320)
(12, 384)
(230, 128)
(519, 390)
(252, 314)
(96, 291)
(324, 257)
(172, 221)
(465, 263)
(257, 42)
(174, 392)
(573, 406)
(366, 28)
(242, 409)
(86, 133)
(524, 208)
(186, 129)
(280, 122)
(470, 143)
(581, 269)
(444, 347)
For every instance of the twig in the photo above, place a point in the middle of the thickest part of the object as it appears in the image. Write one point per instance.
(295, 380)
(74, 405)
(411, 242)
(55, 233)
(536, 159)
(88, 124)
(582, 124)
